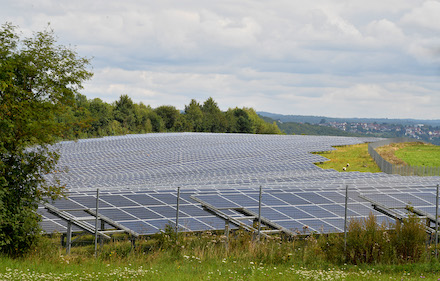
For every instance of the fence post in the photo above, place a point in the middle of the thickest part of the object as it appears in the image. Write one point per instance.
(68, 237)
(96, 222)
(345, 218)
(259, 213)
(227, 234)
(436, 222)
(177, 212)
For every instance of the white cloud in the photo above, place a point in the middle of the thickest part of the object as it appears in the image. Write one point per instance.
(384, 32)
(425, 16)
(336, 58)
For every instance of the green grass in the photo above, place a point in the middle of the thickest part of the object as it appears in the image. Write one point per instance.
(418, 154)
(194, 268)
(355, 155)
(203, 256)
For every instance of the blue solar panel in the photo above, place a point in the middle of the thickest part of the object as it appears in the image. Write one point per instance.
(116, 214)
(140, 227)
(144, 199)
(317, 211)
(294, 212)
(270, 213)
(138, 176)
(142, 213)
(319, 225)
(164, 211)
(117, 200)
(290, 198)
(314, 198)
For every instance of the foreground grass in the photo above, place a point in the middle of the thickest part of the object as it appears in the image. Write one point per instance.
(355, 155)
(203, 257)
(194, 268)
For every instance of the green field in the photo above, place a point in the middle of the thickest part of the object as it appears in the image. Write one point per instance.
(191, 269)
(355, 155)
(358, 158)
(418, 154)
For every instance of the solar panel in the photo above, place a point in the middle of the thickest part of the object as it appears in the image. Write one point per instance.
(138, 176)
(293, 212)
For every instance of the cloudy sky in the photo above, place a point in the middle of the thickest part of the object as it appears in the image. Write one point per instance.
(335, 58)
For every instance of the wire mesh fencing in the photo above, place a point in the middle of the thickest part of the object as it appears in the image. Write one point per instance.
(403, 170)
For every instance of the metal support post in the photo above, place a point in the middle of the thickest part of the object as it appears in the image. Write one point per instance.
(436, 222)
(259, 212)
(96, 222)
(227, 234)
(177, 212)
(68, 237)
(101, 239)
(345, 218)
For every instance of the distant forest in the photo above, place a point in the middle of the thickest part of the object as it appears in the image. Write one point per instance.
(85, 118)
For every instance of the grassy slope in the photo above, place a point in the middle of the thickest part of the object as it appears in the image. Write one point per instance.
(416, 154)
(355, 155)
(411, 153)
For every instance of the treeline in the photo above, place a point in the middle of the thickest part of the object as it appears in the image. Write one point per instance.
(86, 118)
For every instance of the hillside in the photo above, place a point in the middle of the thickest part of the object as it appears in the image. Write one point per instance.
(294, 128)
(319, 119)
(425, 130)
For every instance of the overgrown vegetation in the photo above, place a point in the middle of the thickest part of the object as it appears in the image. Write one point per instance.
(356, 156)
(374, 252)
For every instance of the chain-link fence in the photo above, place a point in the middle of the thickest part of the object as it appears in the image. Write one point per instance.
(404, 170)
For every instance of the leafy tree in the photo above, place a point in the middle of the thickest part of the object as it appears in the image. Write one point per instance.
(194, 116)
(101, 113)
(38, 78)
(143, 121)
(238, 121)
(169, 115)
(124, 112)
(244, 124)
(259, 126)
(213, 119)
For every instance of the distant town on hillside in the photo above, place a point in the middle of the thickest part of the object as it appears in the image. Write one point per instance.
(426, 130)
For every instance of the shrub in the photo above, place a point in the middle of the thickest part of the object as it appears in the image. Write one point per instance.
(409, 238)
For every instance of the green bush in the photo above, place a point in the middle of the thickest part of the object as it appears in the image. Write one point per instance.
(370, 243)
(409, 239)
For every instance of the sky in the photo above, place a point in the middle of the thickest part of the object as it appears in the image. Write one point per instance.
(333, 58)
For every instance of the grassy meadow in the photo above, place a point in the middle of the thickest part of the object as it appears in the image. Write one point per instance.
(373, 253)
(419, 154)
(356, 156)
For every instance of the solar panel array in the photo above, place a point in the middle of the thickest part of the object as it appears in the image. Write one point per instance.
(138, 176)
